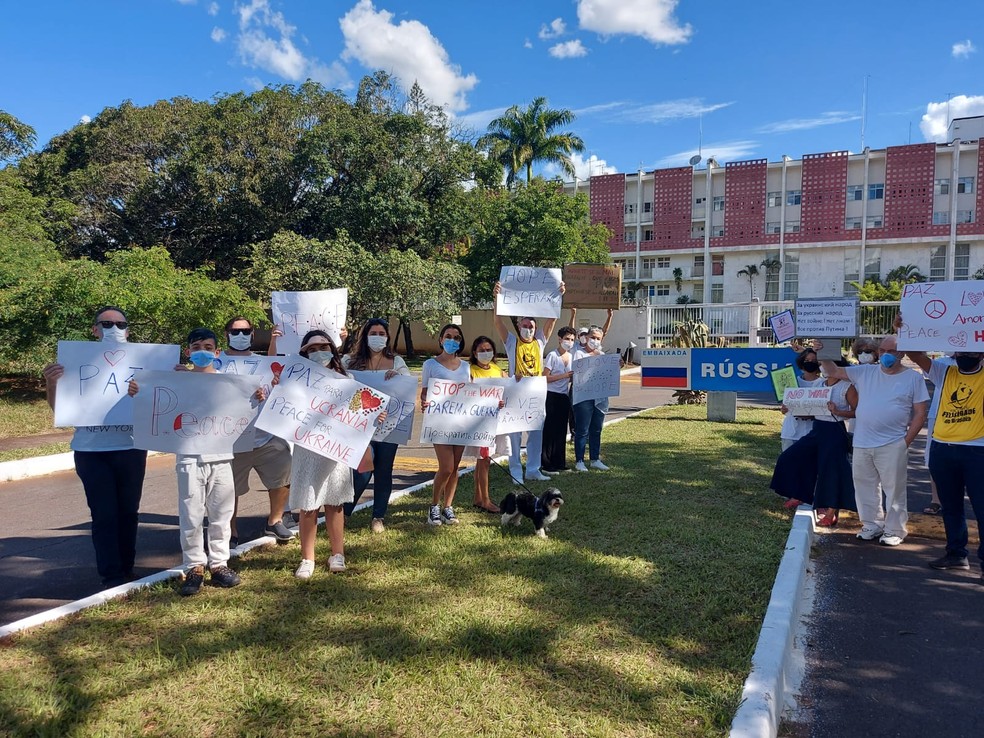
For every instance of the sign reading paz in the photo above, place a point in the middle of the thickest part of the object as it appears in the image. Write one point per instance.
(942, 316)
(592, 285)
(806, 401)
(93, 389)
(299, 312)
(461, 413)
(529, 292)
(596, 377)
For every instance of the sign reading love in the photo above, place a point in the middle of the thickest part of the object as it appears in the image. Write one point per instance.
(942, 316)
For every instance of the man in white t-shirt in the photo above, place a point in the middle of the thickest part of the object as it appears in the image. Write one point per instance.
(892, 407)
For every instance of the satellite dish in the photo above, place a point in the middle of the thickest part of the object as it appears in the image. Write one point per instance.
(695, 160)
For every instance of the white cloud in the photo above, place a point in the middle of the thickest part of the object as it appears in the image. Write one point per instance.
(255, 82)
(568, 49)
(963, 49)
(669, 110)
(651, 19)
(556, 28)
(722, 152)
(479, 119)
(804, 124)
(213, 9)
(187, 2)
(584, 168)
(85, 119)
(527, 44)
(409, 50)
(938, 114)
(218, 35)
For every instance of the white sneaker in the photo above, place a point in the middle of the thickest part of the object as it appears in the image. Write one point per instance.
(336, 563)
(870, 534)
(537, 476)
(376, 526)
(890, 540)
(434, 516)
(305, 570)
(599, 465)
(579, 466)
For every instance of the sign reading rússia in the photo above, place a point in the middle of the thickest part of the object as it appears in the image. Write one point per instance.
(942, 316)
(714, 369)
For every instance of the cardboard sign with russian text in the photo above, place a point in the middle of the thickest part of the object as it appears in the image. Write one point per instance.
(592, 285)
(596, 377)
(461, 413)
(827, 317)
(299, 312)
(942, 316)
(532, 292)
(526, 403)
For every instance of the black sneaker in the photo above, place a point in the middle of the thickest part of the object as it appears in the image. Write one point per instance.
(223, 576)
(192, 581)
(279, 531)
(950, 562)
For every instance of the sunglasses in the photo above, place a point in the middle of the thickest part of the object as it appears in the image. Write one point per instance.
(121, 324)
(240, 331)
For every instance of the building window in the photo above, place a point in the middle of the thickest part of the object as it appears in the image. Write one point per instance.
(941, 186)
(855, 192)
(717, 292)
(717, 265)
(965, 185)
(718, 203)
(662, 262)
(773, 227)
(937, 264)
(647, 235)
(941, 217)
(699, 201)
(790, 281)
(853, 224)
(872, 264)
(792, 226)
(662, 290)
(697, 231)
(852, 273)
(698, 266)
(876, 221)
(793, 197)
(630, 236)
(699, 291)
(876, 191)
(629, 208)
(648, 264)
(961, 262)
(647, 207)
(965, 216)
(775, 199)
(717, 231)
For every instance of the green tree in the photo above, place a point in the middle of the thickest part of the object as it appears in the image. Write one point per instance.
(521, 137)
(16, 138)
(751, 271)
(904, 274)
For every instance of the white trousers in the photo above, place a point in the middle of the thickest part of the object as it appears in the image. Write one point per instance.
(534, 448)
(205, 488)
(888, 465)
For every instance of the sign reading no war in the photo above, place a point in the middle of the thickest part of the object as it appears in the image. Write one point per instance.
(714, 369)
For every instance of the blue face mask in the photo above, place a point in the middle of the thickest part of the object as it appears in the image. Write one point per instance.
(450, 345)
(887, 360)
(202, 359)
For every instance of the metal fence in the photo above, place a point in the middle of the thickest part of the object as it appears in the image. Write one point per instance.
(748, 323)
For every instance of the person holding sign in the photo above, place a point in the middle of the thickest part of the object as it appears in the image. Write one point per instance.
(446, 365)
(558, 407)
(589, 415)
(482, 366)
(525, 354)
(373, 354)
(111, 470)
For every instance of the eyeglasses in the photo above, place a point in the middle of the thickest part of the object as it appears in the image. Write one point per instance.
(121, 324)
(240, 331)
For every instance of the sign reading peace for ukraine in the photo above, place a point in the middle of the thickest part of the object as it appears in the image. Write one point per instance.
(714, 369)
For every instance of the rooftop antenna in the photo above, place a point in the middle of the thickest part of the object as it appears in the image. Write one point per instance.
(910, 132)
(864, 107)
(948, 96)
(696, 158)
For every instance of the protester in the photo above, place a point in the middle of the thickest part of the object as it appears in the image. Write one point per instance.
(892, 407)
(372, 353)
(483, 366)
(446, 365)
(589, 415)
(557, 366)
(205, 488)
(582, 343)
(270, 455)
(111, 470)
(796, 427)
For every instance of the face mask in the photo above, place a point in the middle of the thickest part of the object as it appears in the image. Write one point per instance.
(485, 356)
(240, 343)
(887, 360)
(594, 344)
(811, 366)
(866, 357)
(526, 334)
(450, 346)
(967, 363)
(114, 335)
(377, 343)
(567, 345)
(202, 359)
(583, 340)
(321, 357)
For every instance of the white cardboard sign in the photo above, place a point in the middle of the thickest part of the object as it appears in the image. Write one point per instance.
(93, 389)
(532, 292)
(942, 316)
(330, 414)
(827, 317)
(402, 391)
(461, 413)
(526, 403)
(596, 377)
(299, 312)
(194, 412)
(804, 401)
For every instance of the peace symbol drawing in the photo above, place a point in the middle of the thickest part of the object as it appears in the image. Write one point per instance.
(935, 309)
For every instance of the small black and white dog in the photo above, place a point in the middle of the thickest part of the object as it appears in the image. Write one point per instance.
(541, 510)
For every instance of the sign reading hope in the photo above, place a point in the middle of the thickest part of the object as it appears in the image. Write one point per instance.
(942, 316)
(299, 312)
(93, 389)
(461, 413)
(596, 377)
(529, 292)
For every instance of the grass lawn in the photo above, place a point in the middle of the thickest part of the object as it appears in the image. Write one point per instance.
(23, 408)
(637, 617)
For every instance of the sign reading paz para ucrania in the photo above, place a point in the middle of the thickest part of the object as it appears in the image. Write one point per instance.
(93, 389)
(330, 414)
(942, 316)
(529, 292)
(299, 312)
(596, 377)
(525, 406)
(194, 412)
(460, 413)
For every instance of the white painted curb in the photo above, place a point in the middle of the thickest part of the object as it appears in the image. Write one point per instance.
(762, 698)
(36, 467)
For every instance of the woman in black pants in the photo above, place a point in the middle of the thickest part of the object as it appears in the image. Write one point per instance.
(557, 367)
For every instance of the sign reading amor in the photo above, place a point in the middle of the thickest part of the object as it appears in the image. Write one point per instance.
(592, 285)
(322, 411)
(596, 377)
(194, 412)
(460, 413)
(805, 401)
(402, 391)
(942, 316)
(299, 312)
(93, 390)
(529, 292)
(526, 403)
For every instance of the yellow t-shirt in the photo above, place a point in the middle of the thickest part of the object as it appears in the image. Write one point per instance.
(960, 417)
(493, 372)
(529, 359)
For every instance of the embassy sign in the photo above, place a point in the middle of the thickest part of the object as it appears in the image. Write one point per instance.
(714, 369)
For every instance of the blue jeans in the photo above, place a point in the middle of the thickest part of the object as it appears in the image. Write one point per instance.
(113, 484)
(955, 469)
(383, 456)
(589, 417)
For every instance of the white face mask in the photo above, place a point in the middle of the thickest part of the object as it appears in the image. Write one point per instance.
(594, 344)
(377, 343)
(866, 357)
(526, 334)
(485, 356)
(320, 357)
(583, 339)
(113, 335)
(240, 343)
(567, 344)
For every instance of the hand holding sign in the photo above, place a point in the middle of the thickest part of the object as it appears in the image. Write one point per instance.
(532, 292)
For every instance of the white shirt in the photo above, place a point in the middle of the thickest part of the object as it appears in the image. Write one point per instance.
(884, 403)
(102, 438)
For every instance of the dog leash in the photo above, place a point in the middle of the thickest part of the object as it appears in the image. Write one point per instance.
(505, 470)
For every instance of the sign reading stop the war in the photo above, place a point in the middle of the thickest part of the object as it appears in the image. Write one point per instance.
(942, 316)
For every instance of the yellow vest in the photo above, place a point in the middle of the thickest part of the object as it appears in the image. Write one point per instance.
(960, 417)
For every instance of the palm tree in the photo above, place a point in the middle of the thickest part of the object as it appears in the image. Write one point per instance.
(521, 137)
(751, 271)
(772, 267)
(905, 274)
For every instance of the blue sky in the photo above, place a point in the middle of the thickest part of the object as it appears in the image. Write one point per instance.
(764, 78)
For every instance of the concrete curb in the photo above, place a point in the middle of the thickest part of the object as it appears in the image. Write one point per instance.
(765, 688)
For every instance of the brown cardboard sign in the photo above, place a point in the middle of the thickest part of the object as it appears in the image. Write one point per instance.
(592, 285)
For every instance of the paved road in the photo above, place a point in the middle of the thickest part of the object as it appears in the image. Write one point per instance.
(46, 556)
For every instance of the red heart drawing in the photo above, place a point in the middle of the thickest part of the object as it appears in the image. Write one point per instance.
(958, 340)
(177, 421)
(114, 357)
(369, 401)
(277, 367)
